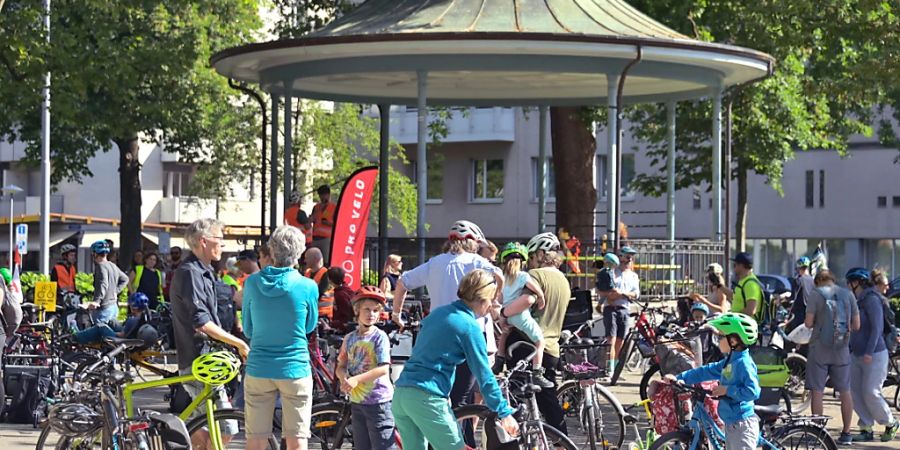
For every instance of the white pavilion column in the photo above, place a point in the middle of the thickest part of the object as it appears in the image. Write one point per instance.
(612, 114)
(421, 159)
(717, 164)
(670, 193)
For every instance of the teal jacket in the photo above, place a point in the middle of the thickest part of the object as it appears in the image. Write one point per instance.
(450, 335)
(280, 308)
(738, 373)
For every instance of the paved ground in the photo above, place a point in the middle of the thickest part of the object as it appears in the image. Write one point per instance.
(21, 437)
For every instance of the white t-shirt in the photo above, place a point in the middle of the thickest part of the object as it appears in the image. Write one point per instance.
(626, 281)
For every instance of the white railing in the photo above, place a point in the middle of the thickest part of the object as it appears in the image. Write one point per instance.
(465, 125)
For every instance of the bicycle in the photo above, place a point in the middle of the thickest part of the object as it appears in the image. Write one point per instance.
(116, 388)
(702, 432)
(644, 329)
(593, 407)
(640, 443)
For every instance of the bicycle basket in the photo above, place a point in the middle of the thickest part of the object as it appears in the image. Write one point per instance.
(216, 368)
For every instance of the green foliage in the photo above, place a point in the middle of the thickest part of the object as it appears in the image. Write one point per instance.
(28, 280)
(84, 283)
(370, 278)
(821, 93)
(298, 17)
(895, 306)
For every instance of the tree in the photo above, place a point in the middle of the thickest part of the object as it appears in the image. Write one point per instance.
(573, 159)
(821, 93)
(123, 72)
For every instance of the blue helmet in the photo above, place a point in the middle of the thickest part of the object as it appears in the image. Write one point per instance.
(611, 258)
(858, 273)
(803, 261)
(700, 307)
(100, 248)
(138, 300)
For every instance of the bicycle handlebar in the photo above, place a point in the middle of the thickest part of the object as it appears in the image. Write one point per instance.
(106, 358)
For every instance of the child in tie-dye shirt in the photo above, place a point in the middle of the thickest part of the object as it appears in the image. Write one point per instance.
(363, 369)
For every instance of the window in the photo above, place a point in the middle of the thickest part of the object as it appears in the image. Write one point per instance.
(895, 201)
(697, 198)
(551, 179)
(882, 201)
(821, 189)
(487, 180)
(627, 175)
(177, 181)
(810, 185)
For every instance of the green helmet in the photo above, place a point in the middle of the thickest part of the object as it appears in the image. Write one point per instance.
(514, 249)
(6, 274)
(736, 323)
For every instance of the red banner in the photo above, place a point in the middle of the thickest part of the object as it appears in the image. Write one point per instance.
(351, 219)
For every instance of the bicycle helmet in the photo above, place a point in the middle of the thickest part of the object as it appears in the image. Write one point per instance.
(803, 261)
(138, 300)
(736, 323)
(231, 264)
(544, 241)
(700, 307)
(626, 250)
(369, 293)
(858, 273)
(514, 249)
(74, 420)
(66, 248)
(463, 229)
(295, 197)
(611, 258)
(100, 248)
(715, 268)
(216, 368)
(6, 274)
(148, 334)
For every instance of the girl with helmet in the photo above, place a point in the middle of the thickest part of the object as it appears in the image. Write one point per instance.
(363, 369)
(514, 256)
(737, 376)
(869, 359)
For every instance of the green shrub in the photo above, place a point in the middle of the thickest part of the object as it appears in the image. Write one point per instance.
(28, 280)
(370, 278)
(84, 283)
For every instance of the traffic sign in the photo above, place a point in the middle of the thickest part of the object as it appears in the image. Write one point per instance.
(45, 295)
(22, 238)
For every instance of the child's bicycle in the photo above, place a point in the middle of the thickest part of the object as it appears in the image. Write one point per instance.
(640, 443)
(778, 430)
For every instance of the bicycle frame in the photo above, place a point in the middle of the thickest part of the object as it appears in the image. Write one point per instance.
(701, 424)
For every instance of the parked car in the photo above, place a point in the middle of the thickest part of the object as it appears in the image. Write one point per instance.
(894, 288)
(776, 284)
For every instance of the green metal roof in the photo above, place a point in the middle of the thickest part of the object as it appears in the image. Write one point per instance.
(586, 17)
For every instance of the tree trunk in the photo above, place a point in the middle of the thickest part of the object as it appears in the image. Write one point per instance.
(573, 160)
(129, 199)
(740, 225)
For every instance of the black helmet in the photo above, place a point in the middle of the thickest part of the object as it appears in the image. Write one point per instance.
(74, 419)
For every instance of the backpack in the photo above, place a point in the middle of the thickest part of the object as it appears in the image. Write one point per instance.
(834, 332)
(27, 391)
(891, 333)
(767, 312)
(225, 306)
(605, 279)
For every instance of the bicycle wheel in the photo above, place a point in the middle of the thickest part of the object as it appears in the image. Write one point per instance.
(676, 440)
(325, 422)
(652, 374)
(796, 385)
(804, 437)
(225, 419)
(890, 389)
(51, 440)
(627, 348)
(609, 422)
(555, 439)
(635, 362)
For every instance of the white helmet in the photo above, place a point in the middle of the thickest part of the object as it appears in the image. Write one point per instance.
(295, 197)
(66, 248)
(463, 229)
(231, 264)
(544, 241)
(715, 268)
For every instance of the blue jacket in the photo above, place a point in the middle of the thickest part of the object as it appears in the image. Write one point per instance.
(869, 339)
(738, 373)
(450, 335)
(280, 308)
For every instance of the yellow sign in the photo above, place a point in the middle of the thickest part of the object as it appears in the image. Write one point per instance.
(45, 295)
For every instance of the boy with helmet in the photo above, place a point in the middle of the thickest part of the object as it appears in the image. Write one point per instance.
(363, 369)
(109, 281)
(64, 271)
(737, 376)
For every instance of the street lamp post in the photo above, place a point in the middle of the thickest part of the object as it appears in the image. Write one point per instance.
(12, 190)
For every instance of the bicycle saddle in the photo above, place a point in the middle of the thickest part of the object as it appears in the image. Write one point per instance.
(130, 343)
(768, 411)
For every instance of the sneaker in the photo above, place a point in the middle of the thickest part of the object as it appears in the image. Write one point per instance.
(540, 380)
(865, 436)
(845, 439)
(890, 432)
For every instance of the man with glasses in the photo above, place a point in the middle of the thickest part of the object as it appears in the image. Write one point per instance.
(626, 288)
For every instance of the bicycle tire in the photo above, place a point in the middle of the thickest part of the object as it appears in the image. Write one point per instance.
(635, 362)
(612, 419)
(627, 347)
(647, 378)
(794, 436)
(199, 422)
(676, 440)
(60, 442)
(799, 397)
(323, 424)
(555, 437)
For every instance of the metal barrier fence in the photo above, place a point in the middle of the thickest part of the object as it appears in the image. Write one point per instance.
(666, 269)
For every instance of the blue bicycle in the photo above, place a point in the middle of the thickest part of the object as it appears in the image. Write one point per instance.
(778, 430)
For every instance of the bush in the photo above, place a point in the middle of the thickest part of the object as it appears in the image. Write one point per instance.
(84, 283)
(28, 280)
(370, 278)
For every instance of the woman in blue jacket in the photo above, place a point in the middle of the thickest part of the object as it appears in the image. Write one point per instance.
(450, 335)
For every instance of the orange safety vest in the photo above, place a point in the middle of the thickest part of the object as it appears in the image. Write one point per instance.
(65, 277)
(326, 300)
(323, 220)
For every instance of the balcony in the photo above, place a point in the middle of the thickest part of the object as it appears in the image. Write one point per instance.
(466, 125)
(11, 152)
(185, 209)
